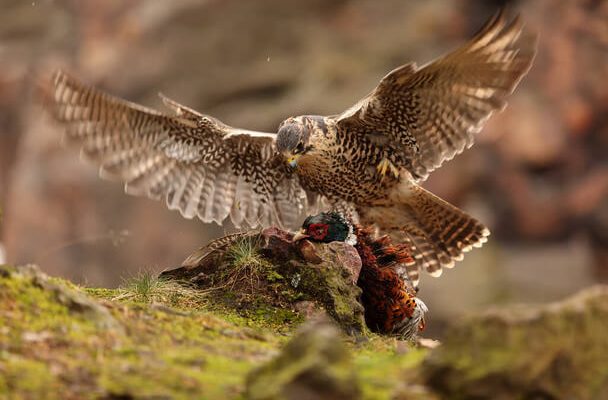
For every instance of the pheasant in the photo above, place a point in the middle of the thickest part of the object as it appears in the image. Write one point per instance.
(389, 300)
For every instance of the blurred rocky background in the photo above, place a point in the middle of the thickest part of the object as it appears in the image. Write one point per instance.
(538, 175)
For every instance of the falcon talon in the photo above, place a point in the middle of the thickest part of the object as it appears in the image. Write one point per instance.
(385, 165)
(381, 167)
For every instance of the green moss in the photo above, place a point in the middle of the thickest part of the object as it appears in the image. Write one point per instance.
(31, 310)
(316, 359)
(27, 378)
(176, 374)
(184, 346)
(388, 367)
(102, 293)
(327, 285)
(558, 350)
(254, 312)
(164, 348)
(37, 330)
(273, 276)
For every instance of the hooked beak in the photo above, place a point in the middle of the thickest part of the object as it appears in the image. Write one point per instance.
(301, 235)
(293, 161)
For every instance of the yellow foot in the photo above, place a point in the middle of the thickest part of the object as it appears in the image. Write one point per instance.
(385, 165)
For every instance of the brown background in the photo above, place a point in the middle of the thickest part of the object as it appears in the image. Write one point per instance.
(538, 175)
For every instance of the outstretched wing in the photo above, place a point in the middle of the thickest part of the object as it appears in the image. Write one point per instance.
(433, 112)
(201, 166)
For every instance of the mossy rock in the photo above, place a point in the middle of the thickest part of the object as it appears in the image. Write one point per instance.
(330, 284)
(60, 341)
(559, 351)
(262, 274)
(314, 365)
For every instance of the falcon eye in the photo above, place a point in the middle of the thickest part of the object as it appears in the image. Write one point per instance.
(299, 148)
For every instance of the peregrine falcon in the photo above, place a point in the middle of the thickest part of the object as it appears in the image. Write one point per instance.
(367, 162)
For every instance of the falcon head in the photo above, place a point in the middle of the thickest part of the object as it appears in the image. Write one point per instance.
(327, 227)
(293, 140)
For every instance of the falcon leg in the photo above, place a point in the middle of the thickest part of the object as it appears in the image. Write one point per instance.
(385, 165)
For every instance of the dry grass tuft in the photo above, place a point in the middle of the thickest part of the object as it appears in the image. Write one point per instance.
(247, 266)
(147, 287)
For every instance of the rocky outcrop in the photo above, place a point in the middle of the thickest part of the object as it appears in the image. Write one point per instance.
(73, 300)
(306, 278)
(61, 341)
(315, 364)
(558, 351)
(58, 340)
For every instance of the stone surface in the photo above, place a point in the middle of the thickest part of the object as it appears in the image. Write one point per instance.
(333, 283)
(315, 364)
(558, 351)
(52, 346)
(75, 301)
(322, 274)
(174, 346)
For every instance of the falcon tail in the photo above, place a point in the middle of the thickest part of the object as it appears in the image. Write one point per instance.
(437, 232)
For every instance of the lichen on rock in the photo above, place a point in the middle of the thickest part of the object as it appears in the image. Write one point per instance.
(315, 364)
(157, 346)
(555, 351)
(58, 341)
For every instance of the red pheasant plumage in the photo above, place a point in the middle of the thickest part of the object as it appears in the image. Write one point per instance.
(389, 300)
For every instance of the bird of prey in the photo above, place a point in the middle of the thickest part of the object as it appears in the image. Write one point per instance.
(367, 161)
(389, 300)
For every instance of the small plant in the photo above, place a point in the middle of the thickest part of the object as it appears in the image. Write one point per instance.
(273, 276)
(246, 266)
(244, 252)
(147, 287)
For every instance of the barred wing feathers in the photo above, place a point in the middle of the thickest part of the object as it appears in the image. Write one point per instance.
(434, 112)
(201, 166)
